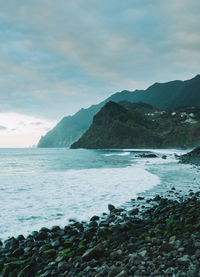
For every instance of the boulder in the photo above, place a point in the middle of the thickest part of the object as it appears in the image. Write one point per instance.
(148, 156)
(94, 253)
(111, 207)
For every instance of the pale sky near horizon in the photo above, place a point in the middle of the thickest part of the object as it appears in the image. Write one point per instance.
(59, 56)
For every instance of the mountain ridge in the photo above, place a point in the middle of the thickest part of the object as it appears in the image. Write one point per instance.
(169, 95)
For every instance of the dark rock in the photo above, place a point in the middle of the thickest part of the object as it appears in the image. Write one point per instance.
(28, 271)
(184, 260)
(94, 253)
(134, 212)
(162, 240)
(34, 234)
(44, 247)
(60, 233)
(55, 228)
(122, 274)
(143, 253)
(41, 235)
(148, 156)
(11, 243)
(166, 247)
(9, 268)
(134, 259)
(45, 230)
(18, 252)
(94, 218)
(49, 253)
(111, 207)
(157, 198)
(140, 198)
(114, 271)
(197, 253)
(62, 267)
(93, 224)
(192, 157)
(20, 238)
(116, 255)
(148, 201)
(56, 243)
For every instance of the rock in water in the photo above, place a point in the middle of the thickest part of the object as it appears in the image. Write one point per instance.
(111, 207)
(148, 156)
(192, 157)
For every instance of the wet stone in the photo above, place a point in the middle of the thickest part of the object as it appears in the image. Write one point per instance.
(94, 253)
(20, 238)
(18, 252)
(94, 218)
(12, 243)
(55, 229)
(157, 241)
(184, 260)
(111, 207)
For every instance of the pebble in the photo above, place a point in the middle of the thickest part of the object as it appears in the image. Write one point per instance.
(158, 241)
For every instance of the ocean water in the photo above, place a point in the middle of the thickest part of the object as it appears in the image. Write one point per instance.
(46, 187)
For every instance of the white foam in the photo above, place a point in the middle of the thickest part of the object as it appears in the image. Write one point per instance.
(169, 153)
(117, 154)
(162, 151)
(31, 201)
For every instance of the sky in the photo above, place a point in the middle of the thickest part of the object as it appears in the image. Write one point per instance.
(59, 56)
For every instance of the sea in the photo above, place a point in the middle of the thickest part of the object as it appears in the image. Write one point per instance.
(48, 187)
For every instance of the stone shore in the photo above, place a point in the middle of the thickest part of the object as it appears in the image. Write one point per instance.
(161, 240)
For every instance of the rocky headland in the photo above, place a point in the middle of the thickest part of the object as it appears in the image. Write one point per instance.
(161, 238)
(139, 125)
(165, 96)
(193, 157)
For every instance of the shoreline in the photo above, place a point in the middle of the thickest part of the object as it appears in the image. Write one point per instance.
(161, 240)
(163, 189)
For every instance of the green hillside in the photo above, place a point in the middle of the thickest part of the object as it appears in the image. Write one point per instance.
(127, 125)
(168, 96)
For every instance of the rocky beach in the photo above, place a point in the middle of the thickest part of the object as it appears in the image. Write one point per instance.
(156, 237)
(99, 138)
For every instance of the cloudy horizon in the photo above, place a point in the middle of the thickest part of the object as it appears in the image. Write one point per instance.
(59, 56)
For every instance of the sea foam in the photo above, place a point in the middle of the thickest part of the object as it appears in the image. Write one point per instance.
(31, 201)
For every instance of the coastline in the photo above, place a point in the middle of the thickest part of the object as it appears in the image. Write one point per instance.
(161, 240)
(157, 234)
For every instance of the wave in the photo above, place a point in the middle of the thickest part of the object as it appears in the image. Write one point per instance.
(48, 199)
(117, 154)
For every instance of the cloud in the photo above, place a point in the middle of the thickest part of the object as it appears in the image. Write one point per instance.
(19, 132)
(22, 123)
(2, 128)
(56, 58)
(38, 123)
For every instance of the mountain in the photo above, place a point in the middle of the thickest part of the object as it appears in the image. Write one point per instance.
(161, 95)
(127, 125)
(69, 129)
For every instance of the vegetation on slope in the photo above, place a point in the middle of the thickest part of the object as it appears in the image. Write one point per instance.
(168, 96)
(131, 125)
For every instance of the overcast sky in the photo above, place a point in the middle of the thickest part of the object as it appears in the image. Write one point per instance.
(59, 56)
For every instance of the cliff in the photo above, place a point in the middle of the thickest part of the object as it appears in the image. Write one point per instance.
(166, 96)
(136, 126)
